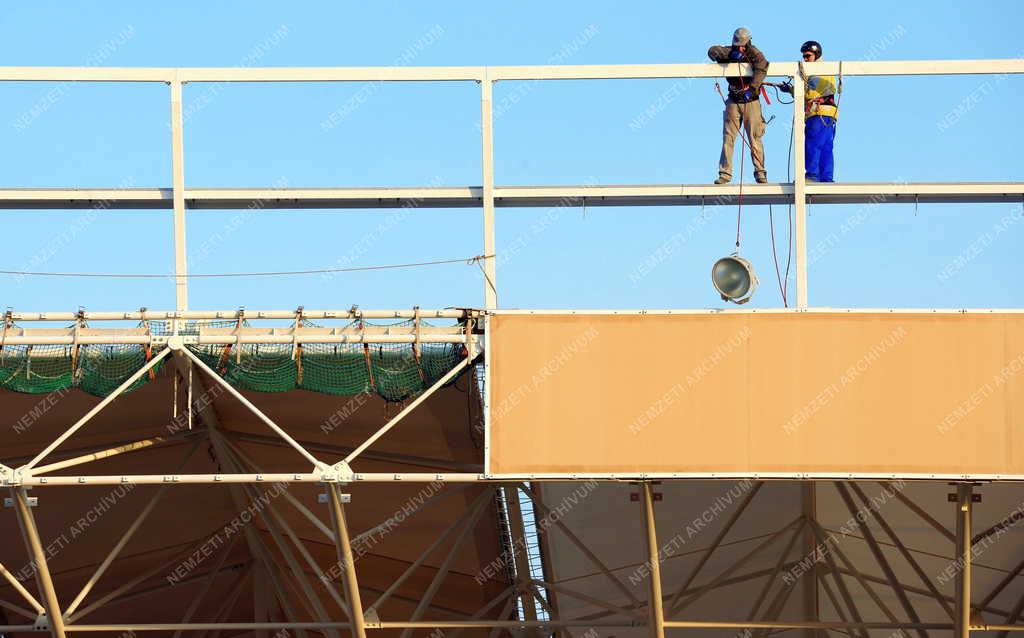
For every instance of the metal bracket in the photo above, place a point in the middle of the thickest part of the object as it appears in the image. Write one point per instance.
(340, 472)
(323, 498)
(33, 501)
(371, 618)
(42, 622)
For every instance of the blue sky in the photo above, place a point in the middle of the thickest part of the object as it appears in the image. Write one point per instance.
(891, 129)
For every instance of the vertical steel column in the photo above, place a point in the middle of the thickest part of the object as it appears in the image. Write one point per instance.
(178, 188)
(809, 493)
(799, 183)
(964, 494)
(657, 612)
(348, 563)
(487, 164)
(35, 548)
(520, 555)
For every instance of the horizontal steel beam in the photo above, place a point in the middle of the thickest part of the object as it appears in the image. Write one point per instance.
(510, 196)
(189, 315)
(28, 480)
(114, 338)
(497, 73)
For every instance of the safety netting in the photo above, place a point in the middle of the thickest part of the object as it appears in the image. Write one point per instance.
(395, 372)
(95, 369)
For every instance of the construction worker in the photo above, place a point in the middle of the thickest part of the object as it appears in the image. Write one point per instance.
(820, 113)
(742, 105)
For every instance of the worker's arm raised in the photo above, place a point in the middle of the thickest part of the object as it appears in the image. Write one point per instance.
(719, 53)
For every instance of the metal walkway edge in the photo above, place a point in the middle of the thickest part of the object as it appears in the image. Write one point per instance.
(510, 196)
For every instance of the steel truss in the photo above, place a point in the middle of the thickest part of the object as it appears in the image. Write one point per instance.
(826, 566)
(665, 601)
(489, 195)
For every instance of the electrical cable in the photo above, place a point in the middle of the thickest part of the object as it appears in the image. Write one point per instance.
(469, 261)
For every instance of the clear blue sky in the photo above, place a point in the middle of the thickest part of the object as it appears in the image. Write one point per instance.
(554, 133)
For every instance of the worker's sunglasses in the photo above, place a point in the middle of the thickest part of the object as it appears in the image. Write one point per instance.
(808, 55)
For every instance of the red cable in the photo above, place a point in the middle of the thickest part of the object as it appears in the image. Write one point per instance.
(775, 258)
(739, 199)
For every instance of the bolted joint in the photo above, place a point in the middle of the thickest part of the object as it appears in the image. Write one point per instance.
(371, 618)
(42, 622)
(12, 478)
(337, 473)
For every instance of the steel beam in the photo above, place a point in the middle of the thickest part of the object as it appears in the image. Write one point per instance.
(487, 192)
(964, 495)
(113, 337)
(879, 556)
(508, 624)
(521, 561)
(94, 411)
(54, 616)
(797, 533)
(904, 551)
(18, 587)
(799, 189)
(317, 464)
(719, 537)
(469, 73)
(125, 537)
(127, 586)
(810, 602)
(580, 545)
(347, 561)
(697, 595)
(446, 565)
(451, 374)
(240, 460)
(655, 604)
(474, 506)
(247, 315)
(510, 196)
(178, 198)
(207, 584)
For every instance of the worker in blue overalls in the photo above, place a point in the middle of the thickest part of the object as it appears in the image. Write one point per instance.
(820, 113)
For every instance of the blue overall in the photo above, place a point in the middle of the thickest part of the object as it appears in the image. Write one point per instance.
(819, 133)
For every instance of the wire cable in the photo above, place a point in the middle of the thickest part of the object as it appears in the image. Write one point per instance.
(468, 261)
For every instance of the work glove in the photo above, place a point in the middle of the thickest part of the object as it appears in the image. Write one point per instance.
(786, 87)
(735, 55)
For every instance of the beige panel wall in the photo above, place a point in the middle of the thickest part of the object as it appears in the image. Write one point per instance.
(837, 392)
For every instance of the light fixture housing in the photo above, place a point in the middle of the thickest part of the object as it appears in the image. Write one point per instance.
(734, 279)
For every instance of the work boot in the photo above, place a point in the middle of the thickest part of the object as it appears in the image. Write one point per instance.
(761, 177)
(723, 179)
(810, 178)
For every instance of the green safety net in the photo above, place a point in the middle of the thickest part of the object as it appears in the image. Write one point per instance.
(96, 369)
(393, 371)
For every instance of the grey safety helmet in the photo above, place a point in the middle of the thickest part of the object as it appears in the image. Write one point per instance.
(741, 37)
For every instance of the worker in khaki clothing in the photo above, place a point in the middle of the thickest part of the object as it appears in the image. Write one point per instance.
(743, 105)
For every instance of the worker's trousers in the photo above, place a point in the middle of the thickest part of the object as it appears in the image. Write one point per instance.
(819, 133)
(749, 115)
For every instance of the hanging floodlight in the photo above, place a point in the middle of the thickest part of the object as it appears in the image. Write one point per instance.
(734, 279)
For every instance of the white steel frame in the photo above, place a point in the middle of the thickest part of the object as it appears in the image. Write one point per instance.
(243, 480)
(488, 196)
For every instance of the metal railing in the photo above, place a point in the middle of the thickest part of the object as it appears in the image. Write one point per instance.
(487, 196)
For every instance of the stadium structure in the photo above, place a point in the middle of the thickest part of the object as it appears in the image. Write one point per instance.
(476, 471)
